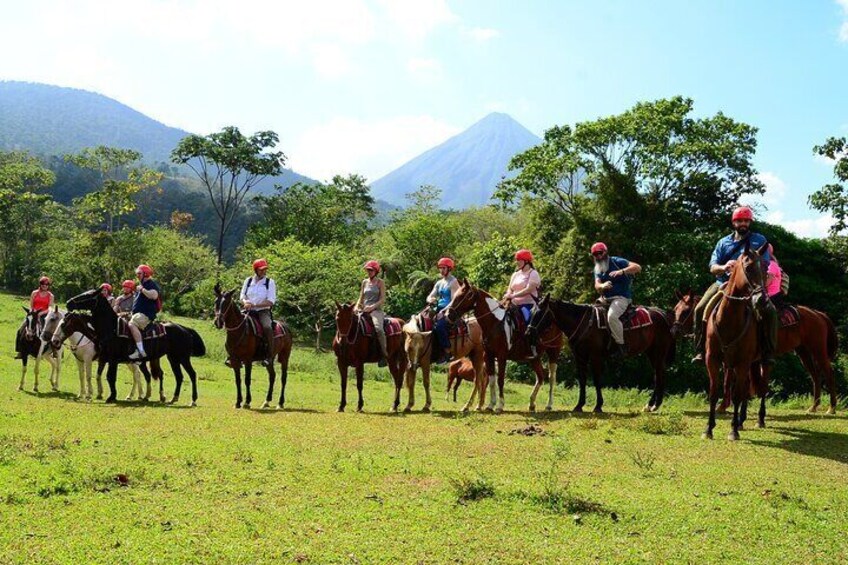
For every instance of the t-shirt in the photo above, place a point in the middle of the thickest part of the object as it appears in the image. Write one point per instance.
(144, 305)
(443, 291)
(728, 248)
(520, 280)
(620, 284)
(774, 271)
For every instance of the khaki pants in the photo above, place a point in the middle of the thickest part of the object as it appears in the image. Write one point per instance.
(702, 312)
(617, 306)
(377, 316)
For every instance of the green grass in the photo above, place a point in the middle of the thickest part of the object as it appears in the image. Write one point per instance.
(90, 483)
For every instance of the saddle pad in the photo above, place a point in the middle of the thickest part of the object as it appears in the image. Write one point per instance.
(153, 330)
(391, 326)
(256, 329)
(789, 316)
(424, 323)
(634, 317)
(459, 329)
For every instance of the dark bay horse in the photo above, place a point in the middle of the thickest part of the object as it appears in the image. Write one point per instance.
(501, 344)
(179, 344)
(244, 348)
(813, 339)
(590, 344)
(353, 349)
(733, 343)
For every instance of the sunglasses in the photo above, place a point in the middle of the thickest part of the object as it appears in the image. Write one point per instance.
(599, 254)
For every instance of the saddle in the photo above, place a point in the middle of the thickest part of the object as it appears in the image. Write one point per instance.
(634, 317)
(516, 320)
(788, 316)
(391, 326)
(426, 322)
(154, 330)
(255, 328)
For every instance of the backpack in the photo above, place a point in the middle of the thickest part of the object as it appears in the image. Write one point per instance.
(784, 282)
(159, 301)
(249, 281)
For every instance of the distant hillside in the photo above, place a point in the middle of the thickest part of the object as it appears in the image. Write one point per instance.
(52, 120)
(467, 167)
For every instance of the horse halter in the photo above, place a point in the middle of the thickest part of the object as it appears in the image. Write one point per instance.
(451, 307)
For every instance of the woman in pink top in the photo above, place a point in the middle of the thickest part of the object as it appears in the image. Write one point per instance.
(524, 284)
(774, 277)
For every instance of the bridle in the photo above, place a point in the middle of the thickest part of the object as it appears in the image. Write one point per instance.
(353, 325)
(678, 324)
(755, 290)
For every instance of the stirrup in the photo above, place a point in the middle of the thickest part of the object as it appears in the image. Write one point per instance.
(698, 359)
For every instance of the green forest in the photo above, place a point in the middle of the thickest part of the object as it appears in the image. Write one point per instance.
(656, 183)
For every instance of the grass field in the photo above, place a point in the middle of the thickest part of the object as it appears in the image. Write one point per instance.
(90, 483)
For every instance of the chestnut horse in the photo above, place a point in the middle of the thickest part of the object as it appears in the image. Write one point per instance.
(419, 349)
(353, 348)
(813, 339)
(733, 343)
(590, 344)
(244, 348)
(502, 344)
(458, 371)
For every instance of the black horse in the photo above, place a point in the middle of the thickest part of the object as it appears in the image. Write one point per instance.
(179, 344)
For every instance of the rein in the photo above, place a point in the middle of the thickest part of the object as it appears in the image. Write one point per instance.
(748, 299)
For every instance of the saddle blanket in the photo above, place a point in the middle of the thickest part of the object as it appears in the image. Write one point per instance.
(634, 317)
(153, 330)
(788, 316)
(392, 326)
(256, 329)
(426, 324)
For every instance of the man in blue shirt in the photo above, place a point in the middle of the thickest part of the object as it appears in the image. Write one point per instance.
(726, 252)
(145, 307)
(613, 276)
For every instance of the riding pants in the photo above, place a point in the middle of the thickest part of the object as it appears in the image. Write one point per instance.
(702, 313)
(441, 329)
(377, 316)
(617, 306)
(264, 317)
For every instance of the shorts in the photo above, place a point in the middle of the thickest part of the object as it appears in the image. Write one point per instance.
(140, 321)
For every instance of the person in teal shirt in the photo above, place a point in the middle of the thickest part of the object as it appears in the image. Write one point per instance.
(440, 297)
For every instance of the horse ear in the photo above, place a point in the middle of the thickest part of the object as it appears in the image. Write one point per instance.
(761, 250)
(678, 295)
(56, 308)
(25, 309)
(338, 306)
(218, 288)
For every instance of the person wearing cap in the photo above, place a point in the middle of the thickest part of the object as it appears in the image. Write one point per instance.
(439, 298)
(41, 300)
(106, 291)
(258, 296)
(726, 252)
(145, 306)
(372, 296)
(122, 305)
(613, 280)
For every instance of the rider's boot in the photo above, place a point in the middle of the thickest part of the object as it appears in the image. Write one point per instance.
(700, 345)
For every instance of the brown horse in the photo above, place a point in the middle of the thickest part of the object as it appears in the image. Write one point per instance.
(590, 344)
(813, 339)
(502, 343)
(419, 349)
(458, 371)
(733, 343)
(353, 348)
(244, 347)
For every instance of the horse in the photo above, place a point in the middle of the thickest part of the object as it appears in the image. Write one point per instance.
(501, 344)
(590, 343)
(353, 348)
(244, 346)
(36, 347)
(458, 371)
(179, 344)
(419, 348)
(733, 343)
(813, 339)
(79, 333)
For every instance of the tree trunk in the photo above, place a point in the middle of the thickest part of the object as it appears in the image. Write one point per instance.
(221, 241)
(318, 335)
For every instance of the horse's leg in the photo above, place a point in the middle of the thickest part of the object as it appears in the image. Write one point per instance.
(410, 387)
(738, 393)
(763, 392)
(713, 370)
(810, 365)
(135, 384)
(728, 395)
(145, 372)
(111, 380)
(272, 376)
(237, 376)
(23, 370)
(81, 372)
(156, 369)
(582, 376)
(178, 377)
(360, 378)
(55, 368)
(425, 375)
(540, 378)
(456, 384)
(100, 366)
(490, 381)
(36, 371)
(501, 382)
(248, 370)
(552, 380)
(343, 370)
(658, 361)
(284, 376)
(597, 372)
(397, 377)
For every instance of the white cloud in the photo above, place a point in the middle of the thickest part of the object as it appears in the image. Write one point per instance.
(425, 70)
(330, 61)
(350, 145)
(804, 227)
(775, 189)
(483, 34)
(843, 29)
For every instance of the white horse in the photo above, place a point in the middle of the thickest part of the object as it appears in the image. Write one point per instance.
(40, 347)
(85, 352)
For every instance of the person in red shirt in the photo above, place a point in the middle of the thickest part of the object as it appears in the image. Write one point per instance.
(41, 300)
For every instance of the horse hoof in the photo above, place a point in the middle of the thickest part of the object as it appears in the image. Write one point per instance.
(35, 389)
(654, 408)
(647, 408)
(359, 410)
(426, 409)
(20, 387)
(128, 398)
(707, 435)
(193, 404)
(145, 399)
(100, 397)
(733, 436)
(761, 425)
(532, 408)
(499, 410)
(549, 408)
(721, 410)
(55, 389)
(598, 410)
(237, 405)
(280, 407)
(577, 410)
(162, 399)
(406, 410)
(245, 406)
(813, 409)
(265, 405)
(831, 411)
(111, 400)
(340, 409)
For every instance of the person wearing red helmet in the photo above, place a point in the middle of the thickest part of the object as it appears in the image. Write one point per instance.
(372, 296)
(613, 280)
(146, 305)
(258, 296)
(41, 300)
(106, 291)
(440, 297)
(124, 302)
(726, 252)
(524, 283)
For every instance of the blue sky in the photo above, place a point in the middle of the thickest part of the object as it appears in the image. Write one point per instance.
(364, 85)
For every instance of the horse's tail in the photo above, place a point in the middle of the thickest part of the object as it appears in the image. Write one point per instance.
(671, 353)
(198, 348)
(832, 337)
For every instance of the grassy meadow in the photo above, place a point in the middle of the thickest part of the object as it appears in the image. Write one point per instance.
(87, 482)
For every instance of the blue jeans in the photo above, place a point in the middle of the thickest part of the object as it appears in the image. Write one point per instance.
(441, 329)
(525, 311)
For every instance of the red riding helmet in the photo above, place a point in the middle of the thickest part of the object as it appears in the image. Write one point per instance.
(374, 265)
(128, 284)
(743, 213)
(145, 270)
(524, 255)
(44, 280)
(260, 264)
(446, 262)
(598, 247)
(106, 286)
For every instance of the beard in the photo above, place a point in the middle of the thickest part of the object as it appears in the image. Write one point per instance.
(742, 231)
(602, 265)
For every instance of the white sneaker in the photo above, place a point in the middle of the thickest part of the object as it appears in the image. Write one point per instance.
(136, 355)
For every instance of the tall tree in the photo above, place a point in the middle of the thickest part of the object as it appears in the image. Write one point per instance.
(229, 164)
(833, 197)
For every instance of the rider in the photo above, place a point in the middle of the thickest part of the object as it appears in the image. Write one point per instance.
(123, 304)
(726, 252)
(440, 297)
(774, 281)
(613, 280)
(41, 300)
(372, 296)
(524, 287)
(106, 291)
(258, 296)
(144, 308)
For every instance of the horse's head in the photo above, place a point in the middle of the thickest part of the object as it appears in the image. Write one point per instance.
(30, 324)
(345, 318)
(84, 301)
(51, 323)
(64, 328)
(416, 343)
(463, 301)
(223, 302)
(540, 319)
(684, 312)
(748, 273)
